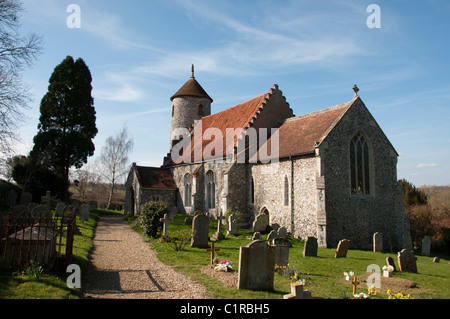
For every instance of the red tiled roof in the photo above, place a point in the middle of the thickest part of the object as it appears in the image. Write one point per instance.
(153, 177)
(192, 88)
(299, 135)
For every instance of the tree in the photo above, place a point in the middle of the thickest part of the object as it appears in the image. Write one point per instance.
(114, 159)
(67, 122)
(16, 52)
(413, 195)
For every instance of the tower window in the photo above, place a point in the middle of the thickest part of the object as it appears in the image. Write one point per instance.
(188, 190)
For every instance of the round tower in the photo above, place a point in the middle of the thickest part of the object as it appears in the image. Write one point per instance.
(189, 104)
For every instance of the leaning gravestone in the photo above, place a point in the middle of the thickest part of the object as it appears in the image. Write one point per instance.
(84, 212)
(407, 261)
(272, 235)
(426, 244)
(378, 242)
(200, 229)
(310, 249)
(261, 222)
(232, 226)
(342, 248)
(282, 232)
(256, 266)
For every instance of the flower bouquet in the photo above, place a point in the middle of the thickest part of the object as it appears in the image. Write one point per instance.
(387, 271)
(224, 265)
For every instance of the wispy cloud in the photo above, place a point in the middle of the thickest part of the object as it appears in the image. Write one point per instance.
(422, 165)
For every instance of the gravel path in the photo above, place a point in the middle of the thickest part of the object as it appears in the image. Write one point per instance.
(124, 267)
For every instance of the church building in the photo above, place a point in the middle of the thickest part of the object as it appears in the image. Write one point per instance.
(331, 174)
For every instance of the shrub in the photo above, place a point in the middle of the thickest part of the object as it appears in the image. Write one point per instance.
(151, 214)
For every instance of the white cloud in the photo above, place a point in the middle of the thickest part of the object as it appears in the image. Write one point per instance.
(422, 165)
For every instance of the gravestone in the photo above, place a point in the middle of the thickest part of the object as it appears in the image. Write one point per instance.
(282, 232)
(407, 241)
(25, 198)
(200, 229)
(84, 212)
(218, 234)
(378, 242)
(310, 248)
(342, 248)
(261, 222)
(257, 236)
(232, 226)
(426, 244)
(47, 199)
(281, 241)
(407, 261)
(393, 243)
(10, 198)
(297, 292)
(188, 221)
(272, 235)
(281, 255)
(256, 266)
(59, 210)
(41, 212)
(390, 262)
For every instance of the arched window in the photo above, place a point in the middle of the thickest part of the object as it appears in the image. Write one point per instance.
(359, 165)
(286, 191)
(210, 190)
(187, 189)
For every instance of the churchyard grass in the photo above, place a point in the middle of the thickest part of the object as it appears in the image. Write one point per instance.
(324, 274)
(19, 285)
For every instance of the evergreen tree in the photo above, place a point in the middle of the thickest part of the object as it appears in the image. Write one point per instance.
(413, 196)
(67, 122)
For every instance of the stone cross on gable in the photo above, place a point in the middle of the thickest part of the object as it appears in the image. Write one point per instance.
(47, 199)
(212, 250)
(165, 221)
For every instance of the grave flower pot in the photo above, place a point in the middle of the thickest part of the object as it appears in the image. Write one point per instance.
(387, 273)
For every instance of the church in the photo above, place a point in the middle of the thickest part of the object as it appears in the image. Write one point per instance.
(330, 174)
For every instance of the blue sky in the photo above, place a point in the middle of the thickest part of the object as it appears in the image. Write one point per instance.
(140, 53)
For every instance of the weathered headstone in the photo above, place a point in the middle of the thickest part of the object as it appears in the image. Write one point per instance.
(426, 245)
(297, 292)
(281, 241)
(59, 210)
(200, 228)
(393, 243)
(84, 212)
(188, 221)
(272, 235)
(390, 262)
(218, 235)
(41, 212)
(378, 242)
(10, 198)
(342, 248)
(310, 249)
(257, 236)
(256, 266)
(261, 222)
(47, 199)
(407, 261)
(25, 198)
(232, 226)
(282, 232)
(281, 255)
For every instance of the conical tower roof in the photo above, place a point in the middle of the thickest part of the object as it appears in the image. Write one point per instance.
(192, 88)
